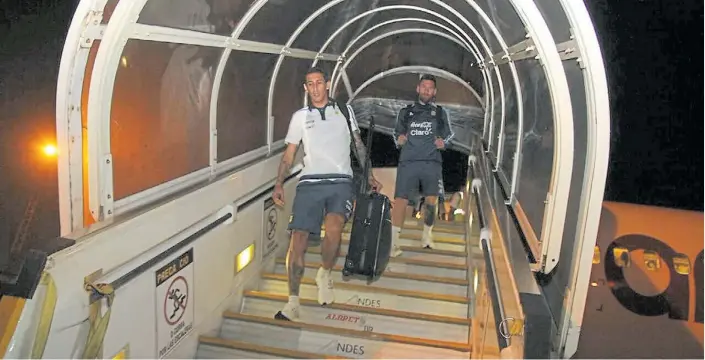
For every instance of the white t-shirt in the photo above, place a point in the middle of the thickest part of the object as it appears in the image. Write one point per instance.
(326, 142)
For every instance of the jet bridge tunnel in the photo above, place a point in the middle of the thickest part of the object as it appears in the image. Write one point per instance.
(171, 116)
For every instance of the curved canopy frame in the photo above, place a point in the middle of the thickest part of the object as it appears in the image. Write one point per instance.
(413, 70)
(376, 39)
(469, 47)
(98, 200)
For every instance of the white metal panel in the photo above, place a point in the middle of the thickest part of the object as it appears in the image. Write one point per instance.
(122, 247)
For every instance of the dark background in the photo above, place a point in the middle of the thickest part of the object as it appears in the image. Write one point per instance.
(652, 50)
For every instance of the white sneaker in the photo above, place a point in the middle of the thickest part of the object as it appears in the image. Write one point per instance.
(396, 251)
(427, 238)
(427, 243)
(290, 312)
(324, 281)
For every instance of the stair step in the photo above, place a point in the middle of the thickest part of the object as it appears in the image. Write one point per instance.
(328, 340)
(219, 348)
(386, 298)
(406, 265)
(437, 228)
(407, 240)
(443, 223)
(416, 235)
(418, 253)
(363, 318)
(402, 281)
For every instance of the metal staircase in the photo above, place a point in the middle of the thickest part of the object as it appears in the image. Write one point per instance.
(418, 309)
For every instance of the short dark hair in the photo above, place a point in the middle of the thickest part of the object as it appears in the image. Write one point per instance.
(316, 70)
(428, 77)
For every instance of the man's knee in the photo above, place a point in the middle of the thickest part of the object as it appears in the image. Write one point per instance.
(431, 200)
(299, 241)
(334, 226)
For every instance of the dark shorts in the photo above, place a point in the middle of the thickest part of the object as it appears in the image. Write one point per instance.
(428, 175)
(314, 200)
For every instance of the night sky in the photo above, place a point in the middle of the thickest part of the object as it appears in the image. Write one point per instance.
(652, 48)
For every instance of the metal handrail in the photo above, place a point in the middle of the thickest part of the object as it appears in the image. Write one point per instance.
(490, 267)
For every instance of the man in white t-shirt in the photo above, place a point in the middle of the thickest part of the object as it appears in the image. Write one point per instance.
(325, 191)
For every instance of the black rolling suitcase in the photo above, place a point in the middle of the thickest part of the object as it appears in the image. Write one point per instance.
(371, 234)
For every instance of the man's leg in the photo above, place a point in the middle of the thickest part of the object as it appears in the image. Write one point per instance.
(432, 183)
(430, 211)
(306, 219)
(330, 249)
(339, 206)
(401, 201)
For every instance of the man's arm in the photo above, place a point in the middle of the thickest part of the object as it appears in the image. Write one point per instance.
(286, 162)
(361, 152)
(400, 126)
(447, 132)
(292, 140)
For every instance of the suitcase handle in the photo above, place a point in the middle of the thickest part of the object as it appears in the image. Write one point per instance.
(368, 164)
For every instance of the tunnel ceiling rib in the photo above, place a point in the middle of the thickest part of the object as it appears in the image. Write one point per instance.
(298, 31)
(100, 167)
(414, 69)
(465, 44)
(468, 41)
(183, 36)
(476, 51)
(598, 139)
(470, 44)
(433, 13)
(392, 33)
(552, 231)
(69, 134)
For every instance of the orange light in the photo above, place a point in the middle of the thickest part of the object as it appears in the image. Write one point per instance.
(49, 150)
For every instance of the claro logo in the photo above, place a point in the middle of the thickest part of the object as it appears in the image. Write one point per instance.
(511, 327)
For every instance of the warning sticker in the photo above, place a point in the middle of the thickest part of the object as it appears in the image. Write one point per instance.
(174, 302)
(269, 232)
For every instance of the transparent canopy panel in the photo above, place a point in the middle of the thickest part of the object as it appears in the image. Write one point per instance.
(538, 143)
(242, 103)
(209, 16)
(278, 19)
(511, 122)
(159, 125)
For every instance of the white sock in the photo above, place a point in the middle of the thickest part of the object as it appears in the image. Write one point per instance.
(294, 300)
(427, 231)
(396, 232)
(323, 272)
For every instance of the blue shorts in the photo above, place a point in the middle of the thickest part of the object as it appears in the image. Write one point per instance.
(316, 199)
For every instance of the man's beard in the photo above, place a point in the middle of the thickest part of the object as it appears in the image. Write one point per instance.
(425, 100)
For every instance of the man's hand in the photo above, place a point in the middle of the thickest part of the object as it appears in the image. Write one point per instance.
(278, 195)
(440, 144)
(401, 140)
(374, 184)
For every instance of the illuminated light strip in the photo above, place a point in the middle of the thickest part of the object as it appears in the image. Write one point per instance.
(244, 258)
